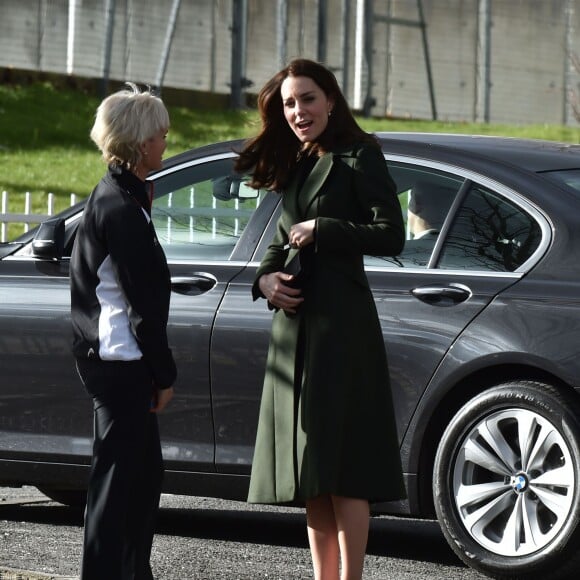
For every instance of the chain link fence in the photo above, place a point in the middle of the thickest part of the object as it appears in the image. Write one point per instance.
(499, 61)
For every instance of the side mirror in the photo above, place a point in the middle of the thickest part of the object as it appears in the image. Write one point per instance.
(232, 187)
(48, 243)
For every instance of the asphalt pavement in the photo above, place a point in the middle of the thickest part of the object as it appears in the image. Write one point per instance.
(210, 539)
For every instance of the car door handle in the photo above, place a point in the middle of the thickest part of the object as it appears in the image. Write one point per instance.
(446, 295)
(197, 283)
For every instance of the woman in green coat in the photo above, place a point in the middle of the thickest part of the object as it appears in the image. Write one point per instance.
(326, 434)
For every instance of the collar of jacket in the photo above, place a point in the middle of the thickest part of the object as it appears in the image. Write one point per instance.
(321, 170)
(317, 177)
(136, 188)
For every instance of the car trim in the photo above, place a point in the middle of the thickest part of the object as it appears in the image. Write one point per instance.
(436, 272)
(237, 263)
(256, 264)
(191, 163)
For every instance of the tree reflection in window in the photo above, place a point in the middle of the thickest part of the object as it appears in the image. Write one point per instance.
(489, 233)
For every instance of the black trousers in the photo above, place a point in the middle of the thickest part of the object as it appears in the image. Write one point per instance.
(126, 472)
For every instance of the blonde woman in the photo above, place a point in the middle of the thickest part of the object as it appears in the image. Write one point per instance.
(120, 288)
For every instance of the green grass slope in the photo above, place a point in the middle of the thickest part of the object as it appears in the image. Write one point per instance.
(45, 145)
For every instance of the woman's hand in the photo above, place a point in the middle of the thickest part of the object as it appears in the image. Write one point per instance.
(278, 294)
(160, 399)
(302, 234)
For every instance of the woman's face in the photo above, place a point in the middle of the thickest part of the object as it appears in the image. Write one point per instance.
(153, 149)
(306, 107)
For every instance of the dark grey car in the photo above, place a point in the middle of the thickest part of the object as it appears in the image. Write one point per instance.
(481, 324)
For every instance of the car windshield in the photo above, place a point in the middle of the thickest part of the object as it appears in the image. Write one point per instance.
(569, 178)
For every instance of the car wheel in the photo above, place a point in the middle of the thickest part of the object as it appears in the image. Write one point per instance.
(70, 497)
(506, 482)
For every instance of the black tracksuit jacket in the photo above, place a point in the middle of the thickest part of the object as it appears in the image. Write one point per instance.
(120, 282)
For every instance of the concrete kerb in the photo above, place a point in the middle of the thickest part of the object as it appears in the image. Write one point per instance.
(12, 574)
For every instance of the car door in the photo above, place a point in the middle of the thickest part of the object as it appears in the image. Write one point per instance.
(200, 212)
(489, 237)
(44, 413)
(239, 348)
(425, 296)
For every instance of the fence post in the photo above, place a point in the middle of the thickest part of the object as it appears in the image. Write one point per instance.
(169, 35)
(483, 66)
(27, 209)
(238, 79)
(4, 209)
(108, 44)
(568, 59)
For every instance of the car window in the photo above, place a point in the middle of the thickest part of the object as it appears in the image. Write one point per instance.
(201, 211)
(425, 196)
(489, 233)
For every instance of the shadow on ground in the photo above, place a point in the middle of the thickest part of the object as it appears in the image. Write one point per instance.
(389, 537)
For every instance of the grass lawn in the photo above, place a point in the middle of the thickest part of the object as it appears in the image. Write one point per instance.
(45, 145)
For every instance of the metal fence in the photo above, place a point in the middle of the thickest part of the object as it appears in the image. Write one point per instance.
(499, 61)
(177, 221)
(27, 217)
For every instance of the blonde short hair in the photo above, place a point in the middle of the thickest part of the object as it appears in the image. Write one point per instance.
(124, 121)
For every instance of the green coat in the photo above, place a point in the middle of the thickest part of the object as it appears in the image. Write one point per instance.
(326, 421)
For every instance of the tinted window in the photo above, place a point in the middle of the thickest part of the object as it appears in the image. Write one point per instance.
(201, 211)
(489, 233)
(425, 196)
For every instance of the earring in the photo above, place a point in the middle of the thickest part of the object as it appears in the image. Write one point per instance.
(329, 112)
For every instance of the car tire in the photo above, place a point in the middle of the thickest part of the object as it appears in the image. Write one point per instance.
(506, 482)
(72, 497)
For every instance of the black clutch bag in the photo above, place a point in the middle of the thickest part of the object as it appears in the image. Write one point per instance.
(294, 267)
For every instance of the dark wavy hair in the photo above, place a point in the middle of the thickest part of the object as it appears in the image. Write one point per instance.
(271, 156)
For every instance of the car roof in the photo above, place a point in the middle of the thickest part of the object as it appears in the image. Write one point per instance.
(222, 147)
(533, 155)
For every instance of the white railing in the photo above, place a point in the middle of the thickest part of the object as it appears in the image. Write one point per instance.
(174, 229)
(26, 217)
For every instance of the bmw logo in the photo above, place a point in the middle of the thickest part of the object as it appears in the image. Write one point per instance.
(519, 482)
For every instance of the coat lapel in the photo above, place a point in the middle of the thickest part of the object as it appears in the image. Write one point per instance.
(316, 179)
